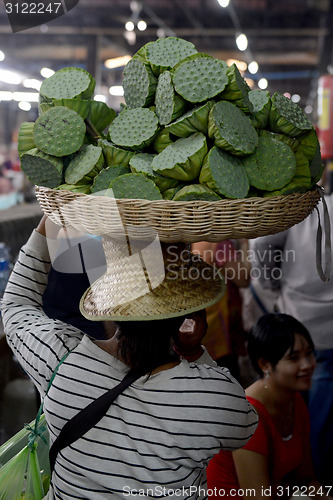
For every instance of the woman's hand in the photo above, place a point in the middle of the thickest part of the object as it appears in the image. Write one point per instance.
(41, 226)
(187, 342)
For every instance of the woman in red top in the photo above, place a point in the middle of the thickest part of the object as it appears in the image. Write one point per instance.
(277, 460)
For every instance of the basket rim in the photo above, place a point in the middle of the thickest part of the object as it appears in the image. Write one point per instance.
(170, 203)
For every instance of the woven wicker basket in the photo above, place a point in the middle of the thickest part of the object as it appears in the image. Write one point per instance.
(186, 221)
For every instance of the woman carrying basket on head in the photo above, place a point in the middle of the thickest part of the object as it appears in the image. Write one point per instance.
(159, 434)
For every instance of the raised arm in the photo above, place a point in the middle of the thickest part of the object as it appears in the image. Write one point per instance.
(37, 341)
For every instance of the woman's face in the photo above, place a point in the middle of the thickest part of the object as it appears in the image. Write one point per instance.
(295, 368)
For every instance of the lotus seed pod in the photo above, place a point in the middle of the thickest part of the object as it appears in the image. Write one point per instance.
(42, 169)
(292, 142)
(142, 163)
(237, 90)
(100, 115)
(165, 53)
(169, 105)
(104, 178)
(231, 129)
(271, 166)
(25, 137)
(59, 132)
(195, 120)
(261, 102)
(135, 186)
(291, 187)
(139, 84)
(115, 156)
(196, 192)
(182, 160)
(68, 83)
(85, 165)
(287, 117)
(224, 174)
(134, 128)
(200, 77)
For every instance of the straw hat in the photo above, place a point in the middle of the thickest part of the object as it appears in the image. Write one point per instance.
(156, 282)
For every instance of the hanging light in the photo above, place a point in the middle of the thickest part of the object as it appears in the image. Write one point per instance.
(10, 77)
(241, 41)
(263, 83)
(129, 26)
(46, 72)
(117, 62)
(116, 90)
(253, 67)
(223, 3)
(2, 55)
(24, 105)
(142, 25)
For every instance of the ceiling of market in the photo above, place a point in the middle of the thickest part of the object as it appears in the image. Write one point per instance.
(291, 40)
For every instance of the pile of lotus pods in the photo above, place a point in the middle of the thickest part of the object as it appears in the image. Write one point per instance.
(191, 129)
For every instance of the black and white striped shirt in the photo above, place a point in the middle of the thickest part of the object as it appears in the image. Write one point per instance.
(157, 437)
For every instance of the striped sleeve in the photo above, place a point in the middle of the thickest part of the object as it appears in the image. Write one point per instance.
(37, 341)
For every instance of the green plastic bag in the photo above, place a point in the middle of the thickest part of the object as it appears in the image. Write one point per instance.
(24, 463)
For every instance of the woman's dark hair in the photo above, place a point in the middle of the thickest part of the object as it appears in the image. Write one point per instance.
(272, 336)
(147, 344)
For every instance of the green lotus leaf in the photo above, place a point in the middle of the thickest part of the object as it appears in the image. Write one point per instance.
(162, 140)
(308, 144)
(142, 163)
(75, 188)
(231, 129)
(195, 120)
(316, 166)
(25, 137)
(101, 115)
(196, 192)
(224, 174)
(182, 160)
(114, 155)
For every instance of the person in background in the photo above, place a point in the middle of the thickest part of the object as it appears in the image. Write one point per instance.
(163, 429)
(277, 460)
(286, 263)
(225, 338)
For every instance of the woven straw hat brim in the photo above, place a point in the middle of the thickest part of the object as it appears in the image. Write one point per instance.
(198, 286)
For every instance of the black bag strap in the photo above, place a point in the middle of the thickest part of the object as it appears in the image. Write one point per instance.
(89, 416)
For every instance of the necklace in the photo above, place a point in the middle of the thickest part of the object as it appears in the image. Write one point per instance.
(285, 424)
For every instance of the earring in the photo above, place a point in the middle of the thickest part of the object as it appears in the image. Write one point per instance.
(266, 379)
